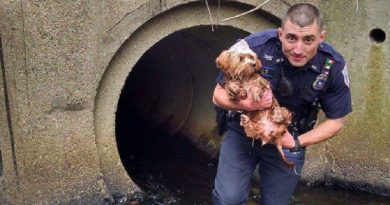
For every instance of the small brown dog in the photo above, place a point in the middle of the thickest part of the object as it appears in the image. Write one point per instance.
(239, 65)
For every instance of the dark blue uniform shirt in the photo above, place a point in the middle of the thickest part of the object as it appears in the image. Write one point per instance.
(334, 98)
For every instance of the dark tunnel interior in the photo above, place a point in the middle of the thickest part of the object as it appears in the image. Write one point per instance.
(164, 107)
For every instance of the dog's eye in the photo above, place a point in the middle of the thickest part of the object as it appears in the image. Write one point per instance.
(242, 58)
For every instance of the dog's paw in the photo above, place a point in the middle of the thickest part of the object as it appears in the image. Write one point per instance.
(244, 120)
(234, 90)
(281, 115)
(248, 126)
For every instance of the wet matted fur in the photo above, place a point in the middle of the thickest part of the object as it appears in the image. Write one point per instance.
(240, 66)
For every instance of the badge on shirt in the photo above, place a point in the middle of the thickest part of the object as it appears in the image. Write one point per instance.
(266, 71)
(268, 57)
(319, 83)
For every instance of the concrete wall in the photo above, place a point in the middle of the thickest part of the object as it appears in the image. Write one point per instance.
(64, 63)
(359, 157)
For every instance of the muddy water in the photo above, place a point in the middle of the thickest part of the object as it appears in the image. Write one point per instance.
(172, 171)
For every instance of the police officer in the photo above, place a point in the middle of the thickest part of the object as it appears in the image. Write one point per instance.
(306, 74)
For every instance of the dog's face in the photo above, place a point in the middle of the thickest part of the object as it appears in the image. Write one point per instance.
(238, 65)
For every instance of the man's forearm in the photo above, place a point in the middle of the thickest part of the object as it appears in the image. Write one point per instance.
(221, 99)
(322, 132)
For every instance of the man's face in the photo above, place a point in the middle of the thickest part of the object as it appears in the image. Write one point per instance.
(300, 44)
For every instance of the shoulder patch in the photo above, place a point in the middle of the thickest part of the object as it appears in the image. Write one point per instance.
(260, 38)
(268, 57)
(240, 46)
(345, 74)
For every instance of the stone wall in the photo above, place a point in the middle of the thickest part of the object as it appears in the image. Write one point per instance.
(63, 65)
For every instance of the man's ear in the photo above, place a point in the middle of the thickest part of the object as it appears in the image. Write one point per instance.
(322, 36)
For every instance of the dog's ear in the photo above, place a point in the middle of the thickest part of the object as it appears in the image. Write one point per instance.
(222, 61)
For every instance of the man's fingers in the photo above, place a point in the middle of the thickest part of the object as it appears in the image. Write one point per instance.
(268, 94)
(267, 98)
(288, 140)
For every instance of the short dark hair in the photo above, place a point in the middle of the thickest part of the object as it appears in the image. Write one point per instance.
(303, 14)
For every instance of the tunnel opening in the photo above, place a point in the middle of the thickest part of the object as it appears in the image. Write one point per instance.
(165, 120)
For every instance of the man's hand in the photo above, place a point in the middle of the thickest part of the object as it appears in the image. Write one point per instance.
(265, 102)
(287, 141)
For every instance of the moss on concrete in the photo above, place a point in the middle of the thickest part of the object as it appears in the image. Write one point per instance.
(360, 152)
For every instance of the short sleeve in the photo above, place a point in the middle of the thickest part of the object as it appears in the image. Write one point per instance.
(220, 78)
(336, 100)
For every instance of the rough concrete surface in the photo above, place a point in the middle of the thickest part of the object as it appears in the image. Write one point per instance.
(64, 64)
(360, 154)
